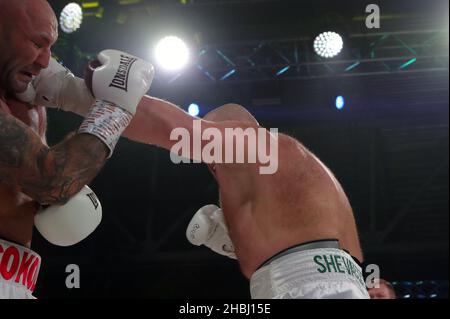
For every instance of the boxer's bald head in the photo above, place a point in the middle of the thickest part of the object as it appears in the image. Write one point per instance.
(230, 112)
(12, 13)
(24, 4)
(28, 28)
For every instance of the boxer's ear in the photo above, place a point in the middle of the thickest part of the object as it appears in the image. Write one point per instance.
(88, 72)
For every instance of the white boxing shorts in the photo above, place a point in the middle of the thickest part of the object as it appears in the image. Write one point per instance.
(19, 269)
(315, 270)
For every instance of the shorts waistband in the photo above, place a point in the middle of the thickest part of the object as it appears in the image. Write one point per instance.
(315, 244)
(309, 273)
(19, 265)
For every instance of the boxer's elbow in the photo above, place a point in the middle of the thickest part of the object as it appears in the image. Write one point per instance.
(44, 183)
(46, 194)
(50, 191)
(50, 197)
(55, 178)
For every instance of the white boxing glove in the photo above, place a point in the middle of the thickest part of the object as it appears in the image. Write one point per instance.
(69, 224)
(118, 84)
(57, 87)
(208, 228)
(122, 79)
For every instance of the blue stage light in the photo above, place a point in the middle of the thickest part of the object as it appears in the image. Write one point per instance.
(340, 102)
(193, 109)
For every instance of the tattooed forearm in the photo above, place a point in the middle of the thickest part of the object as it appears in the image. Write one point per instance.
(49, 175)
(67, 167)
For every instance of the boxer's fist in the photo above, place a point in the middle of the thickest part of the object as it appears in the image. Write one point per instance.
(56, 86)
(208, 228)
(121, 79)
(69, 224)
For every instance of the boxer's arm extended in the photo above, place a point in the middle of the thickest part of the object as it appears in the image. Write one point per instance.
(154, 121)
(49, 175)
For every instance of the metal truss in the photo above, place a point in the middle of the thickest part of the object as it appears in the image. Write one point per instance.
(366, 54)
(294, 58)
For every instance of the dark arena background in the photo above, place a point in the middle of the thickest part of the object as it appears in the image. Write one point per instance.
(388, 145)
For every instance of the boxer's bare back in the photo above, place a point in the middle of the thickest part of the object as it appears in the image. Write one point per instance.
(266, 214)
(301, 202)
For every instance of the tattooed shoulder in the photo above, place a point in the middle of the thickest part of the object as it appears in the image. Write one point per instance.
(13, 141)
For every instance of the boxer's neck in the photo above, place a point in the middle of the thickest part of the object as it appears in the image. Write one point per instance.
(3, 95)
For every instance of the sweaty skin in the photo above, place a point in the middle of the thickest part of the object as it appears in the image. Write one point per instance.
(265, 214)
(17, 209)
(31, 173)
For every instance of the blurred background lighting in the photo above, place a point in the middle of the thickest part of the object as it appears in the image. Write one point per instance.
(172, 53)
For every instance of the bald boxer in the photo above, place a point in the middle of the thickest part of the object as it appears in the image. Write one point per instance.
(31, 173)
(293, 232)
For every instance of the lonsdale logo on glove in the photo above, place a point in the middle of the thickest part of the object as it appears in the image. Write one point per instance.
(93, 199)
(120, 80)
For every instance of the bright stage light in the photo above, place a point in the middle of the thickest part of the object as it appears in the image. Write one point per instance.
(193, 109)
(172, 53)
(71, 17)
(340, 102)
(328, 44)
